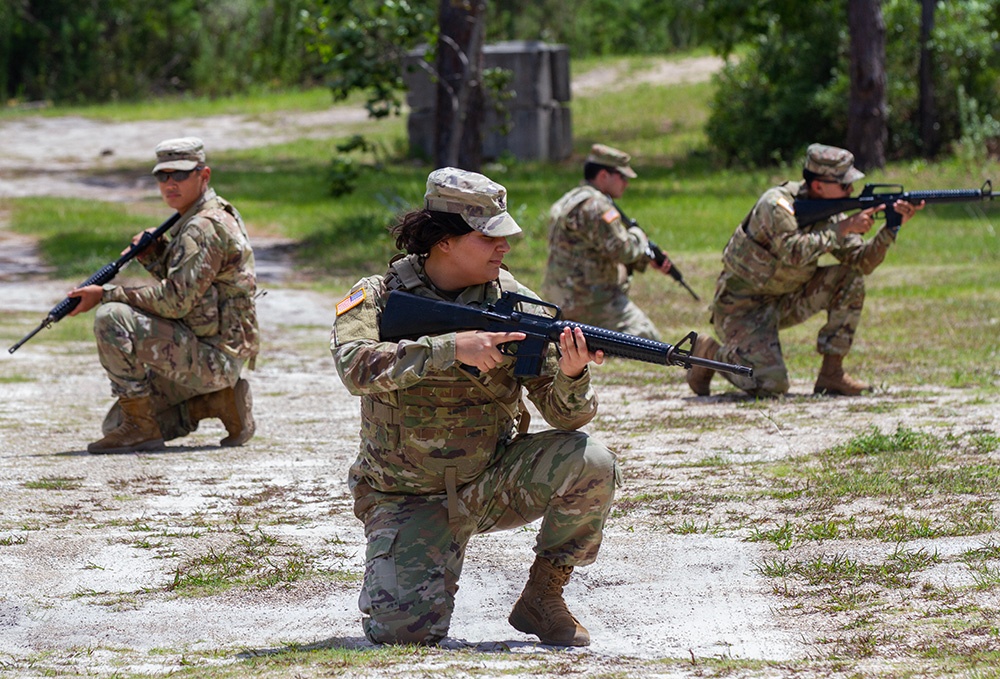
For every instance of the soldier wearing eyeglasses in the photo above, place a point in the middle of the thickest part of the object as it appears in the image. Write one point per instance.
(174, 349)
(772, 280)
(594, 249)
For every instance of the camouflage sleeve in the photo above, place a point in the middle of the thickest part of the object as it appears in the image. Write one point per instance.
(152, 258)
(773, 221)
(865, 256)
(367, 365)
(564, 402)
(609, 234)
(193, 259)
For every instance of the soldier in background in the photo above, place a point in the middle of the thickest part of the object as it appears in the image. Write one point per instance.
(593, 249)
(174, 349)
(771, 280)
(445, 452)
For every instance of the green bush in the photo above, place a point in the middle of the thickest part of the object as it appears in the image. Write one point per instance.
(791, 87)
(75, 51)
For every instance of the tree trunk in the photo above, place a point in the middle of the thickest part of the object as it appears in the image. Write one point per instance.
(458, 136)
(867, 125)
(926, 112)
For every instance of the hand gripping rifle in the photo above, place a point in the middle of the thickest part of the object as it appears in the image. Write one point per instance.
(810, 211)
(656, 254)
(409, 316)
(59, 311)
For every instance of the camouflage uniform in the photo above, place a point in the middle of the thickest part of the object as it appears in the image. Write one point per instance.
(190, 332)
(771, 280)
(592, 255)
(444, 456)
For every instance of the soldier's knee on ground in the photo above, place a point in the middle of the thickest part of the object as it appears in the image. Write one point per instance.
(770, 388)
(412, 632)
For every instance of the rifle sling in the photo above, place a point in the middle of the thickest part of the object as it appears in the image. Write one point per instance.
(521, 416)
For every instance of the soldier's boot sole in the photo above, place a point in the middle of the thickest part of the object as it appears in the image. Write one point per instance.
(100, 448)
(241, 428)
(698, 377)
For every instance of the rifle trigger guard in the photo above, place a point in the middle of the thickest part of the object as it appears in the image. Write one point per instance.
(677, 350)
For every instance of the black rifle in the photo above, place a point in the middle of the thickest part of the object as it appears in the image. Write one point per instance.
(659, 256)
(409, 316)
(810, 211)
(59, 311)
(656, 254)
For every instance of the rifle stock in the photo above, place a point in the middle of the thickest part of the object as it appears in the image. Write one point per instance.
(810, 211)
(108, 272)
(409, 316)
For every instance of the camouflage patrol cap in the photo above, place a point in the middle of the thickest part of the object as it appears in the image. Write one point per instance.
(480, 201)
(611, 157)
(833, 162)
(184, 153)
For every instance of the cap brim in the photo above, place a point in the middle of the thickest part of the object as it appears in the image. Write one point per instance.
(852, 175)
(497, 226)
(628, 172)
(176, 165)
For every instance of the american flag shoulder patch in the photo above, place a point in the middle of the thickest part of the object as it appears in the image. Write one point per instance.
(352, 300)
(785, 204)
(611, 215)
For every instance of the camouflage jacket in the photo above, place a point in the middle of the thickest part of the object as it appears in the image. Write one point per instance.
(591, 251)
(770, 255)
(427, 423)
(205, 270)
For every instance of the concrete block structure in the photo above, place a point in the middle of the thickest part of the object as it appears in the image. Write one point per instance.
(540, 122)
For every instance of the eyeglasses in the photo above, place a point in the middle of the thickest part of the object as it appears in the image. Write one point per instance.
(846, 186)
(177, 175)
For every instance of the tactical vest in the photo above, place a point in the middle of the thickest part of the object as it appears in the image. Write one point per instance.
(444, 431)
(562, 207)
(578, 272)
(748, 259)
(231, 293)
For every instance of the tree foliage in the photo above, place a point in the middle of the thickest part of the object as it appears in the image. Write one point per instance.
(100, 50)
(362, 44)
(601, 27)
(790, 87)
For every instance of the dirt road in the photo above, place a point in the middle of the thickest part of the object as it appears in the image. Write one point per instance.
(105, 558)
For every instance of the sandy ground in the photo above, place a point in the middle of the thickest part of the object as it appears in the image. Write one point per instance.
(89, 545)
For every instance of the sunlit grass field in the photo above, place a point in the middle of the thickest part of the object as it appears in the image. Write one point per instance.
(933, 308)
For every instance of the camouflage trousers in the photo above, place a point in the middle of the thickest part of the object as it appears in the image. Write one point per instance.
(146, 355)
(620, 314)
(748, 325)
(416, 547)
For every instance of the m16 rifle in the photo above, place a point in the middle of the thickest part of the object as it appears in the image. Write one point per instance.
(409, 316)
(811, 210)
(655, 253)
(103, 276)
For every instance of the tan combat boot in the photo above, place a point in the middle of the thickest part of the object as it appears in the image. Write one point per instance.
(232, 405)
(699, 378)
(834, 381)
(540, 610)
(138, 429)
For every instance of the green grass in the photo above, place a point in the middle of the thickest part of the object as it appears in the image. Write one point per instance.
(55, 483)
(254, 559)
(186, 106)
